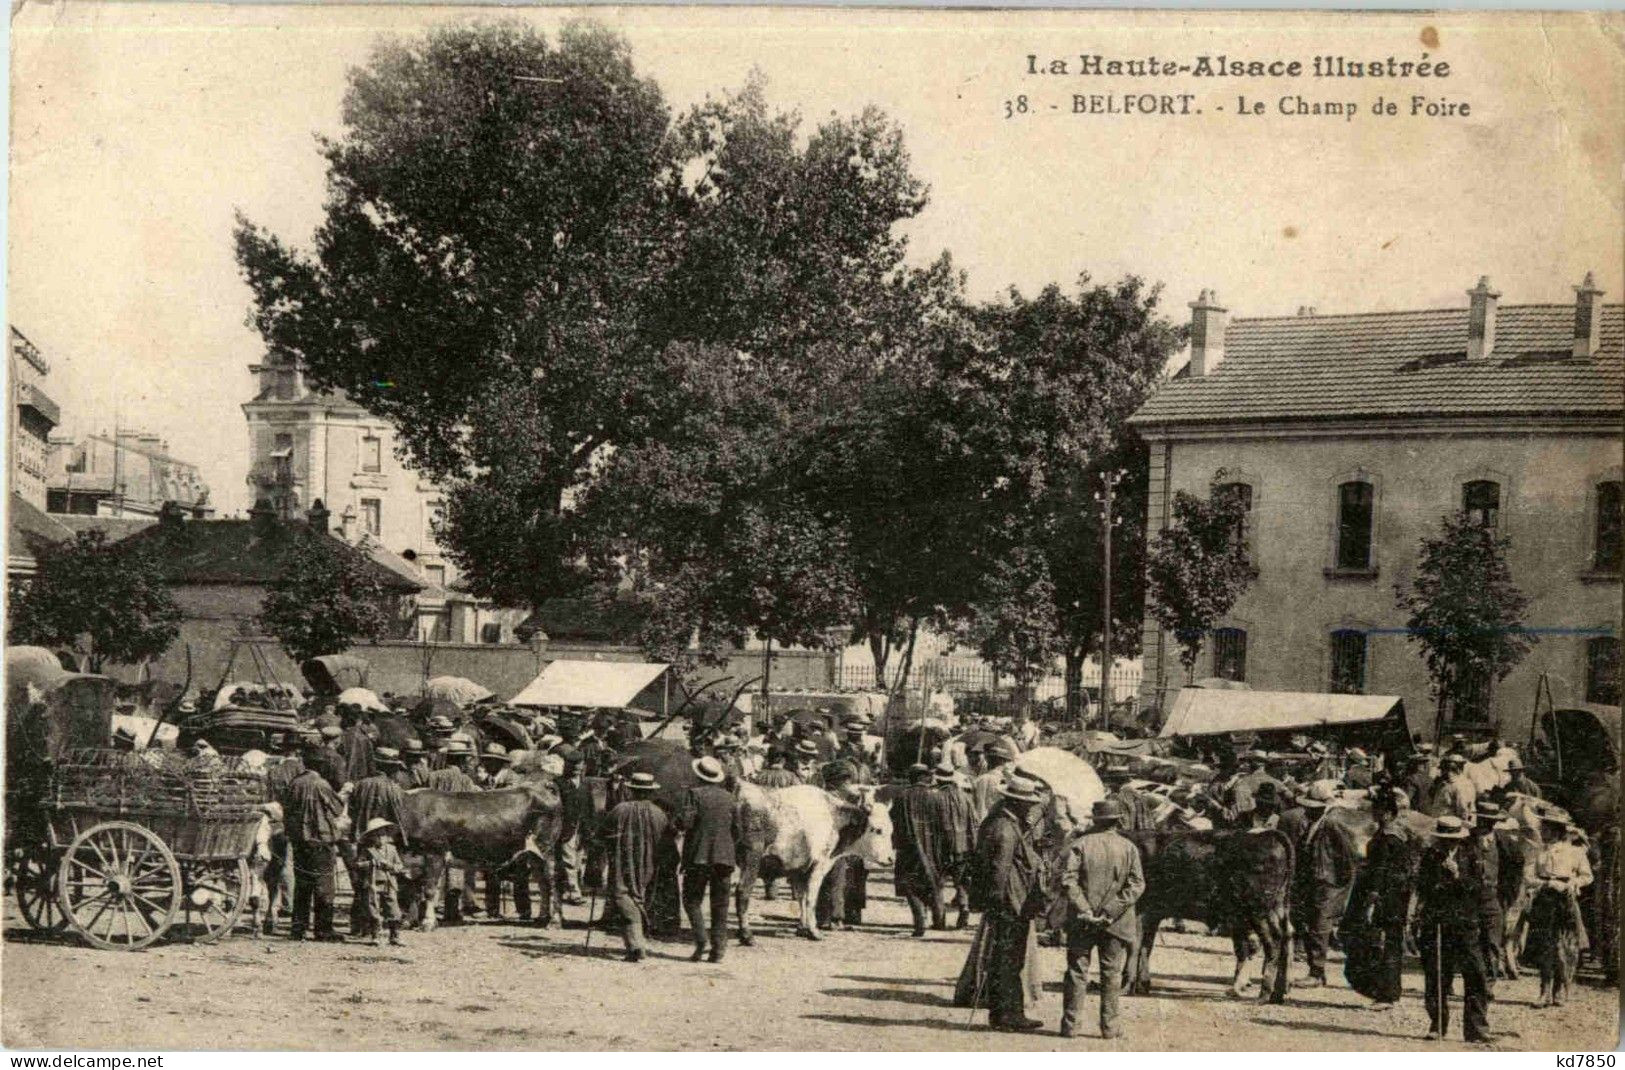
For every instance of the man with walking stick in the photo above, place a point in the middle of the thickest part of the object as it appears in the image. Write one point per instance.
(1450, 885)
(1006, 874)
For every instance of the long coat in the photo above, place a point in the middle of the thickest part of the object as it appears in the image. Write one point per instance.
(631, 835)
(920, 837)
(375, 796)
(1006, 864)
(311, 810)
(1373, 928)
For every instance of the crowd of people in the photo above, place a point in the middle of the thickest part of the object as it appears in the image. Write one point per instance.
(971, 835)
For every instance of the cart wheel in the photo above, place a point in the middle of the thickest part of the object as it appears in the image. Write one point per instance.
(213, 895)
(34, 872)
(119, 886)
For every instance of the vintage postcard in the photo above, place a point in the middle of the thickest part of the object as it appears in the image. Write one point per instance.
(699, 528)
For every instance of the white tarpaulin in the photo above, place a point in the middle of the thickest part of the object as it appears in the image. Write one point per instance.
(1200, 712)
(363, 697)
(456, 689)
(1067, 775)
(603, 684)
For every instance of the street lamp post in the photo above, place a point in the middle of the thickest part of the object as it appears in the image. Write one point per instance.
(1106, 608)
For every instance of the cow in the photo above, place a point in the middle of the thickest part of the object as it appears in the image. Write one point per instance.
(799, 832)
(488, 829)
(1239, 881)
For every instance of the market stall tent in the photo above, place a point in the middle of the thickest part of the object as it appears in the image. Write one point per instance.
(1202, 712)
(599, 685)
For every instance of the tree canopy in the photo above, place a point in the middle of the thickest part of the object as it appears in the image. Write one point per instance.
(1198, 567)
(328, 599)
(105, 602)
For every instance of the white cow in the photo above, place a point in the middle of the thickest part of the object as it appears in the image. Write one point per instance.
(800, 831)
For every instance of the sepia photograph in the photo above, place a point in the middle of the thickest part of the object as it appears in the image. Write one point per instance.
(703, 528)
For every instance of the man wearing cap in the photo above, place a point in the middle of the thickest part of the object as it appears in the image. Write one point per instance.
(842, 899)
(1102, 881)
(709, 821)
(985, 790)
(631, 835)
(414, 771)
(852, 751)
(919, 832)
(1006, 871)
(311, 811)
(1451, 792)
(1373, 929)
(1327, 859)
(1517, 783)
(1449, 887)
(961, 835)
(375, 796)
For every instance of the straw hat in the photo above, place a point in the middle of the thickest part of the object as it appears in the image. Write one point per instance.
(643, 782)
(378, 823)
(497, 751)
(708, 769)
(1021, 789)
(1449, 827)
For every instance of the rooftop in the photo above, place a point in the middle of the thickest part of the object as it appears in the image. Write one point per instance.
(1399, 364)
(249, 552)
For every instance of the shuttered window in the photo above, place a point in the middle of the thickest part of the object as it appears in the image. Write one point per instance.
(1609, 553)
(1230, 653)
(1354, 507)
(1602, 670)
(1243, 535)
(1348, 662)
(1481, 499)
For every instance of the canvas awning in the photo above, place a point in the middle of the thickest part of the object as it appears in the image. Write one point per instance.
(1200, 712)
(602, 684)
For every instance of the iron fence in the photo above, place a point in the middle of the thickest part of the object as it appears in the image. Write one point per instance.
(979, 683)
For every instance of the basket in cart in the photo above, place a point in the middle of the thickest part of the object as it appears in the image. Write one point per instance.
(150, 840)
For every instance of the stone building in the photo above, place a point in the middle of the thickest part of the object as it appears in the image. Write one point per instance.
(126, 474)
(308, 446)
(31, 417)
(1352, 436)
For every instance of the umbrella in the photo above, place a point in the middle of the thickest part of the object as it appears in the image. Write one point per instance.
(1067, 775)
(363, 697)
(457, 689)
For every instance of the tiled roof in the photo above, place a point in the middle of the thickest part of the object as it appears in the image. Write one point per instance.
(116, 527)
(1399, 364)
(28, 525)
(240, 552)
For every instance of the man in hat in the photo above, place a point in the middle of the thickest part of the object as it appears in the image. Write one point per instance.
(1373, 929)
(278, 777)
(373, 797)
(807, 762)
(1327, 859)
(919, 829)
(1358, 775)
(1449, 887)
(1006, 871)
(355, 743)
(454, 776)
(845, 894)
(1451, 792)
(1490, 854)
(776, 775)
(631, 835)
(414, 772)
(575, 814)
(1264, 812)
(726, 749)
(853, 751)
(493, 760)
(311, 813)
(1103, 880)
(1517, 783)
(709, 821)
(1417, 778)
(1253, 777)
(960, 835)
(986, 789)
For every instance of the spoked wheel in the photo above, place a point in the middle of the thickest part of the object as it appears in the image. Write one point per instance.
(34, 872)
(119, 886)
(213, 895)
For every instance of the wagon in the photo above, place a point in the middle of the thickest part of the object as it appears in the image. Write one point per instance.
(118, 846)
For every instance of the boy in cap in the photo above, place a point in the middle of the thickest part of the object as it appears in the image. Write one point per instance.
(381, 868)
(1103, 880)
(373, 797)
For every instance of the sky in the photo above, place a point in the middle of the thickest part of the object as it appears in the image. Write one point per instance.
(138, 131)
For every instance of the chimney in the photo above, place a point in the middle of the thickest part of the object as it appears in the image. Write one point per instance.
(1586, 321)
(347, 524)
(1481, 319)
(263, 517)
(320, 518)
(1207, 334)
(170, 515)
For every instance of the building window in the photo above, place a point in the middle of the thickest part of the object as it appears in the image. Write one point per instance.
(432, 519)
(372, 454)
(1243, 535)
(372, 516)
(1354, 509)
(491, 632)
(1608, 554)
(283, 441)
(436, 574)
(1481, 501)
(1348, 662)
(1230, 653)
(1602, 670)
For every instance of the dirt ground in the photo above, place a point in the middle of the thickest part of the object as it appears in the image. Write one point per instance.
(507, 986)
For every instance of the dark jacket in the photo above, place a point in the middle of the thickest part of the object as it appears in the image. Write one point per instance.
(1452, 900)
(631, 834)
(375, 796)
(312, 809)
(1006, 867)
(707, 817)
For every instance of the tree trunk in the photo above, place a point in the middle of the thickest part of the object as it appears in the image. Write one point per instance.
(1074, 684)
(908, 654)
(880, 651)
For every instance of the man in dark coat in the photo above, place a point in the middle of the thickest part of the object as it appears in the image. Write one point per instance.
(1373, 927)
(1485, 842)
(1327, 859)
(311, 813)
(919, 832)
(374, 796)
(355, 744)
(415, 766)
(960, 835)
(1006, 872)
(631, 836)
(278, 874)
(575, 814)
(1450, 887)
(710, 825)
(845, 893)
(1103, 880)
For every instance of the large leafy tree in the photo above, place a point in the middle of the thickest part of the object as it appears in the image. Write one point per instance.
(1465, 613)
(328, 598)
(105, 602)
(1198, 567)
